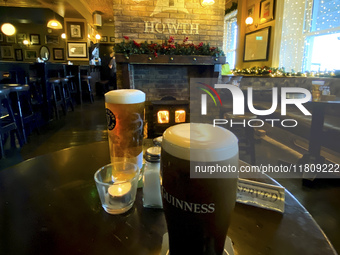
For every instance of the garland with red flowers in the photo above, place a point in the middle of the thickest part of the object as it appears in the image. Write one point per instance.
(170, 47)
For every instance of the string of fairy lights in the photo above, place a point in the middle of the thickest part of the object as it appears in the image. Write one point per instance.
(302, 20)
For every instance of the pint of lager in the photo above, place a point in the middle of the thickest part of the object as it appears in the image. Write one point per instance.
(197, 210)
(125, 115)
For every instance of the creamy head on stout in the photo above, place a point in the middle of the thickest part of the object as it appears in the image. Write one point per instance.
(199, 142)
(125, 96)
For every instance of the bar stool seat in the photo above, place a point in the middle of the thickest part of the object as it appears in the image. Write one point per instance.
(85, 79)
(244, 133)
(57, 95)
(8, 124)
(22, 107)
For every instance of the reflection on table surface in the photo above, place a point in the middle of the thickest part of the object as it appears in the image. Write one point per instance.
(50, 205)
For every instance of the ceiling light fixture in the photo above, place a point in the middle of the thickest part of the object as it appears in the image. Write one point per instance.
(54, 23)
(7, 28)
(98, 36)
(207, 2)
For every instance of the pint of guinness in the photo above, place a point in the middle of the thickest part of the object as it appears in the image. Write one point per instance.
(125, 116)
(197, 210)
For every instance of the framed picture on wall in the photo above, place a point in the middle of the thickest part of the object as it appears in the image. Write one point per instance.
(75, 30)
(54, 39)
(112, 39)
(10, 39)
(7, 52)
(103, 39)
(58, 53)
(256, 45)
(251, 11)
(266, 11)
(1, 37)
(77, 49)
(21, 37)
(35, 39)
(18, 55)
(31, 54)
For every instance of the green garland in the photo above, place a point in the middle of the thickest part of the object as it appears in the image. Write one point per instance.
(279, 72)
(232, 8)
(170, 47)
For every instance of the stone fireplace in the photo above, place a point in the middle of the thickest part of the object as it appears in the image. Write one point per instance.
(165, 81)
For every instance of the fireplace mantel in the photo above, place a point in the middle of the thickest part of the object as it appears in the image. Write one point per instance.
(170, 59)
(209, 66)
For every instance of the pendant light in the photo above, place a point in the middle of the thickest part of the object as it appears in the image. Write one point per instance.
(54, 23)
(7, 28)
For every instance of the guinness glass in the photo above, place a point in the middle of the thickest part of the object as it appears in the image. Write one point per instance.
(197, 210)
(125, 115)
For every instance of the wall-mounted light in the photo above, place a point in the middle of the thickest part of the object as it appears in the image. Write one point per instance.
(249, 21)
(207, 2)
(63, 35)
(25, 42)
(98, 36)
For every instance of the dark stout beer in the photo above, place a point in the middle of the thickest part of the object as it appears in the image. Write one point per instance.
(197, 210)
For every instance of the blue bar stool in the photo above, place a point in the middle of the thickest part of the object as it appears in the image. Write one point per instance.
(8, 124)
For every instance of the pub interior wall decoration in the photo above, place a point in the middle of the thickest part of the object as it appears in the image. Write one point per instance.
(7, 52)
(77, 49)
(52, 39)
(10, 39)
(31, 55)
(35, 39)
(256, 45)
(58, 54)
(267, 8)
(75, 30)
(18, 55)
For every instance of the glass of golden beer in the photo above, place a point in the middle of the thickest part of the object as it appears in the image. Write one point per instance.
(125, 116)
(197, 210)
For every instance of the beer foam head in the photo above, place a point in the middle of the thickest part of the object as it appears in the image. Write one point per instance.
(125, 96)
(200, 142)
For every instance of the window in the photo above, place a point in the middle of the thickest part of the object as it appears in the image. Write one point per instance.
(230, 38)
(322, 35)
(310, 35)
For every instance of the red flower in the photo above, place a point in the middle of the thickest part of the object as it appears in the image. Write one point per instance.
(270, 71)
(172, 46)
(171, 39)
(212, 48)
(201, 44)
(126, 37)
(136, 43)
(155, 54)
(186, 39)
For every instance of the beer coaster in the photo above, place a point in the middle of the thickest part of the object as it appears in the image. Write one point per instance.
(228, 246)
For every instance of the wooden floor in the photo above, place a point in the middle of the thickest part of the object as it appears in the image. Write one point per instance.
(87, 124)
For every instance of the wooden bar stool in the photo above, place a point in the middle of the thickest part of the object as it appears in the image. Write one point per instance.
(8, 124)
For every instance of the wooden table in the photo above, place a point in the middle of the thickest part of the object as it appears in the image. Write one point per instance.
(50, 205)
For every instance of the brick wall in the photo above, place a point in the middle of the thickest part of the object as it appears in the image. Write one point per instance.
(156, 20)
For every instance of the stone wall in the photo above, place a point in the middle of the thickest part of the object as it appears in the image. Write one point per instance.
(157, 20)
